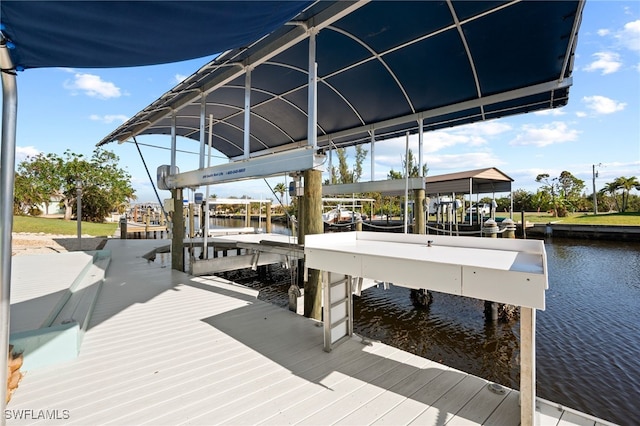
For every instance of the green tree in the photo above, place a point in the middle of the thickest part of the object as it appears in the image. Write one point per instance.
(343, 173)
(43, 176)
(280, 189)
(565, 191)
(414, 168)
(522, 200)
(105, 186)
(626, 185)
(611, 189)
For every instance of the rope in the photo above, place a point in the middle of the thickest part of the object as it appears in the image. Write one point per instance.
(382, 227)
(166, 216)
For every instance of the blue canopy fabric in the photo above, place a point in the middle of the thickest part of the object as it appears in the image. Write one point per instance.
(383, 66)
(108, 34)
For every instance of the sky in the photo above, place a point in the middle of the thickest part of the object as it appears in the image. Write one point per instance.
(60, 109)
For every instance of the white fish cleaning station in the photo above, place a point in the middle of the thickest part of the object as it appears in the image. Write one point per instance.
(502, 270)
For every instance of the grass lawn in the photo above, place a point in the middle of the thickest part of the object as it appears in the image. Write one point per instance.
(632, 218)
(61, 226)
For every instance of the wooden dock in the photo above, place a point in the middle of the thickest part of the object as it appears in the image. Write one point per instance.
(166, 348)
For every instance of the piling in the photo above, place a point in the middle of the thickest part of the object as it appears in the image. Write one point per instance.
(359, 224)
(268, 218)
(509, 228)
(177, 234)
(312, 224)
(419, 227)
(123, 227)
(490, 229)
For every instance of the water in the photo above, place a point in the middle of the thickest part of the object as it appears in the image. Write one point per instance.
(588, 338)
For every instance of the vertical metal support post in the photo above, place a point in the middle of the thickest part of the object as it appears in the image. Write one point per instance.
(330, 165)
(173, 144)
(7, 179)
(247, 113)
(312, 107)
(471, 201)
(420, 147)
(203, 106)
(527, 366)
(373, 158)
(205, 233)
(406, 184)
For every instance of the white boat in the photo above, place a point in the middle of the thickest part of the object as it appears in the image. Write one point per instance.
(340, 214)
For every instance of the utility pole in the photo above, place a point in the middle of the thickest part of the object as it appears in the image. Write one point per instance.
(595, 197)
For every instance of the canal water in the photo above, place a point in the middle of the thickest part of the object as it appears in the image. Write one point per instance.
(588, 338)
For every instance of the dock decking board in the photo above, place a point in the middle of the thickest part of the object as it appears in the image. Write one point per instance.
(166, 348)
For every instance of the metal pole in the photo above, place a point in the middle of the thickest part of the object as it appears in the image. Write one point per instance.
(173, 143)
(406, 184)
(595, 197)
(205, 234)
(312, 99)
(203, 105)
(373, 157)
(420, 147)
(247, 113)
(79, 211)
(7, 177)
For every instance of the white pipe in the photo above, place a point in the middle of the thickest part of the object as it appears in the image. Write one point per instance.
(173, 142)
(373, 155)
(420, 146)
(7, 179)
(203, 105)
(205, 234)
(312, 106)
(406, 185)
(247, 113)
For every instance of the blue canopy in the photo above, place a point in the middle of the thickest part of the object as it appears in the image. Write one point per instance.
(108, 34)
(383, 67)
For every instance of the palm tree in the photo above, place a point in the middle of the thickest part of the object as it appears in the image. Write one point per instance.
(611, 188)
(280, 189)
(626, 185)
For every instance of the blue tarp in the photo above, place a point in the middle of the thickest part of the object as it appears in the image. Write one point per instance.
(107, 34)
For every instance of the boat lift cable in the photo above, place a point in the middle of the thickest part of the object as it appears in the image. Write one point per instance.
(166, 216)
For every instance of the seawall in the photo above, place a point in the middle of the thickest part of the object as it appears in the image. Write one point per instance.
(595, 232)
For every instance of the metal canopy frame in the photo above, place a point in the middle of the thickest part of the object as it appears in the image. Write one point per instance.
(376, 77)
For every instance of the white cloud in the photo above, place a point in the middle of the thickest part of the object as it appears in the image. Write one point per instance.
(92, 85)
(603, 32)
(581, 114)
(485, 128)
(22, 152)
(471, 160)
(607, 62)
(602, 105)
(553, 112)
(179, 78)
(548, 134)
(109, 118)
(629, 36)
